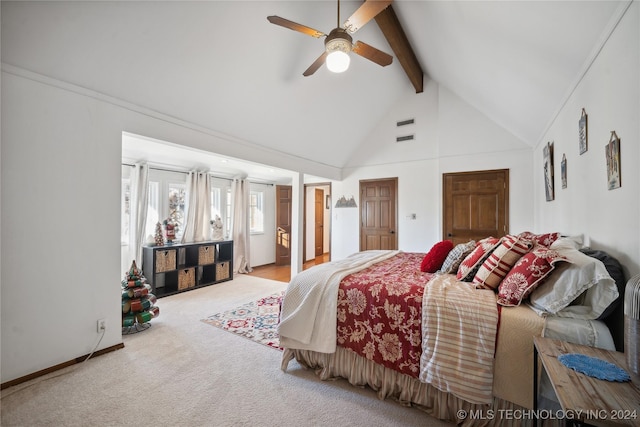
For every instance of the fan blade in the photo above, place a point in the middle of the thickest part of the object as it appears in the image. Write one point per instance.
(372, 54)
(295, 26)
(364, 14)
(317, 64)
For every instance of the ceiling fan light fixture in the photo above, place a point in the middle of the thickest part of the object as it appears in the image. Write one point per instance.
(338, 61)
(338, 45)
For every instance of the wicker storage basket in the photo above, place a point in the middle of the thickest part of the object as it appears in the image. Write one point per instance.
(165, 260)
(206, 255)
(186, 278)
(222, 271)
(632, 324)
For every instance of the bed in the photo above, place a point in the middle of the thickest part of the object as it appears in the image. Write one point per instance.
(450, 331)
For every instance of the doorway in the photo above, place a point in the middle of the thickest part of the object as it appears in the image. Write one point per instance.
(475, 205)
(317, 223)
(284, 194)
(378, 214)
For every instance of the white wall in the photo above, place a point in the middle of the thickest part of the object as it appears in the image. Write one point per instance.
(61, 251)
(451, 136)
(61, 222)
(610, 94)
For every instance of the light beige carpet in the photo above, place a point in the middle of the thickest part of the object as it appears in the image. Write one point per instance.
(183, 372)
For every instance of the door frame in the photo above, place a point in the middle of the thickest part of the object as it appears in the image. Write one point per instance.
(319, 203)
(488, 171)
(277, 223)
(396, 231)
(304, 219)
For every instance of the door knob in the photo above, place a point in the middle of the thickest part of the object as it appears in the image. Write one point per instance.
(449, 235)
(392, 232)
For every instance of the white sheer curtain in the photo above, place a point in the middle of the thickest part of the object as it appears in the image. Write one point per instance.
(139, 201)
(240, 225)
(198, 215)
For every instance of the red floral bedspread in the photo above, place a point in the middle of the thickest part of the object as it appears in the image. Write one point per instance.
(379, 312)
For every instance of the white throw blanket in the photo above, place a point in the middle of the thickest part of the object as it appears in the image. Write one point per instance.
(309, 309)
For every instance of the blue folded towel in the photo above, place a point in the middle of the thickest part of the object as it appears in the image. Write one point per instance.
(594, 367)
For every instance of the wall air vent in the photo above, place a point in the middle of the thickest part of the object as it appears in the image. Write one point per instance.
(405, 122)
(405, 138)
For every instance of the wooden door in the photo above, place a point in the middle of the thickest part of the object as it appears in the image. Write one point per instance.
(475, 205)
(378, 209)
(283, 224)
(319, 222)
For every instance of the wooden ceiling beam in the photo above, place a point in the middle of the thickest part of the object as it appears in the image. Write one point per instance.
(390, 25)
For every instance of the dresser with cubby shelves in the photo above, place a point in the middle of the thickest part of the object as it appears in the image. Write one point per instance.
(175, 268)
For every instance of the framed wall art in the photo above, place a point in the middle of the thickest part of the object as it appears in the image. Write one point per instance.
(582, 132)
(563, 171)
(612, 153)
(548, 171)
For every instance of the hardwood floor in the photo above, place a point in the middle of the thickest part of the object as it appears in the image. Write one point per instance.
(283, 273)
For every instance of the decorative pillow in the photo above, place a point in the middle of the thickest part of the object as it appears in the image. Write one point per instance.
(527, 274)
(474, 260)
(433, 260)
(565, 243)
(496, 266)
(455, 257)
(542, 239)
(581, 288)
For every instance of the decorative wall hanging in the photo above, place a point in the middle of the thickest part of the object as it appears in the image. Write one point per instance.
(612, 153)
(344, 203)
(582, 132)
(563, 171)
(548, 171)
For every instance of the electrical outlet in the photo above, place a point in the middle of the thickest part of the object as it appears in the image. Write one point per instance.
(102, 325)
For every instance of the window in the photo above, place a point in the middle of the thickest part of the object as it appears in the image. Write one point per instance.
(176, 196)
(215, 203)
(125, 211)
(167, 192)
(152, 209)
(256, 206)
(227, 223)
(221, 203)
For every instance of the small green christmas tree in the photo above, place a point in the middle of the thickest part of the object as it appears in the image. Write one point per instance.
(138, 303)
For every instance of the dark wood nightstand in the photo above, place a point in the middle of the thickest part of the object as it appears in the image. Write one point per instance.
(584, 399)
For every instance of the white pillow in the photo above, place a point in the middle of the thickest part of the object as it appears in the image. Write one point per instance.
(580, 288)
(565, 243)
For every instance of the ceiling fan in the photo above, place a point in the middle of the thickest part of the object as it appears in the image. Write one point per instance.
(338, 42)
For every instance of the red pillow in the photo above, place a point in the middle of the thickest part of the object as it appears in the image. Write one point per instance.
(542, 239)
(474, 260)
(494, 269)
(527, 274)
(434, 259)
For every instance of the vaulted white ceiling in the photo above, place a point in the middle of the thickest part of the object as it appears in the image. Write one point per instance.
(222, 66)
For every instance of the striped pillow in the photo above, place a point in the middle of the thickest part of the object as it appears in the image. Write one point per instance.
(472, 262)
(500, 262)
(455, 257)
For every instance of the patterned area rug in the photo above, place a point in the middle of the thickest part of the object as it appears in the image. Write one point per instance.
(257, 320)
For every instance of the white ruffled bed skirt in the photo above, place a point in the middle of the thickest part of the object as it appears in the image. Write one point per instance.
(410, 391)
